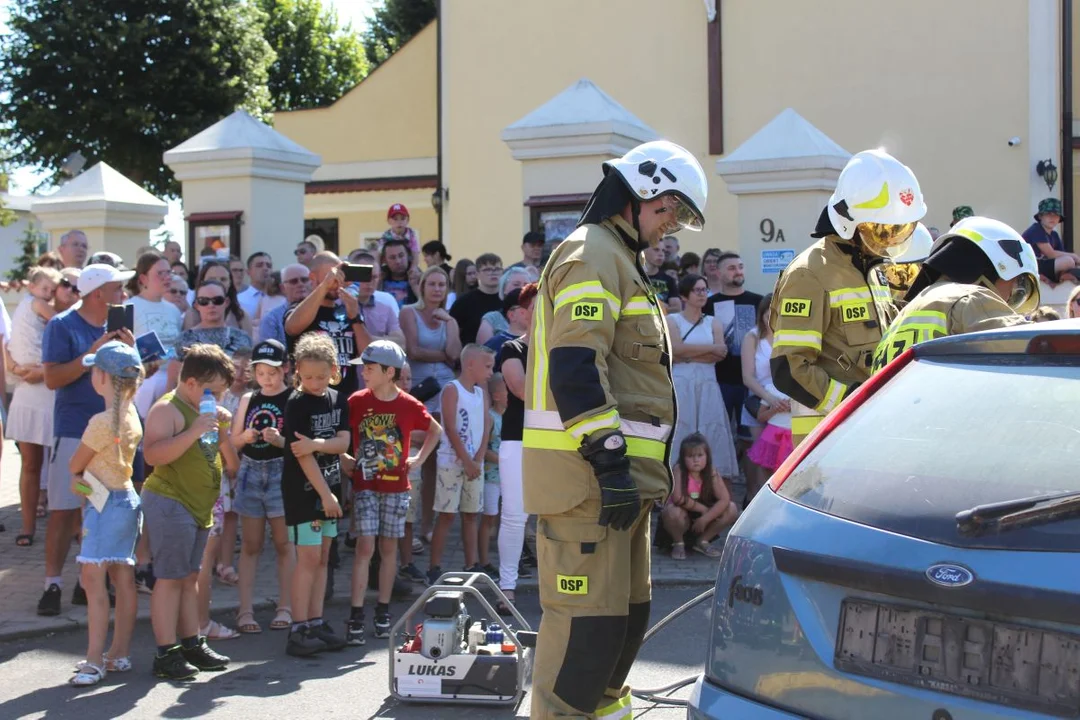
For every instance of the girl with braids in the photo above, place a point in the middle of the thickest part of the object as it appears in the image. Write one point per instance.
(101, 468)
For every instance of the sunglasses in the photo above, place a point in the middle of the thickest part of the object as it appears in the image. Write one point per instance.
(216, 300)
(69, 286)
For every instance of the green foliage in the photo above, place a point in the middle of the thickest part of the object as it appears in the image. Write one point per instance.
(318, 58)
(393, 24)
(30, 246)
(124, 80)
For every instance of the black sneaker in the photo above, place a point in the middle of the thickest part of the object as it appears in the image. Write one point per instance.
(78, 595)
(324, 632)
(49, 604)
(433, 575)
(173, 666)
(382, 626)
(523, 570)
(354, 632)
(491, 571)
(411, 573)
(202, 657)
(528, 556)
(401, 589)
(303, 643)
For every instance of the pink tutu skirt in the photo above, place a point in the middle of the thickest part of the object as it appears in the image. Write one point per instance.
(772, 447)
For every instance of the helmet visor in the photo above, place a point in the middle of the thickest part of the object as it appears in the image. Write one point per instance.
(681, 213)
(878, 238)
(1025, 295)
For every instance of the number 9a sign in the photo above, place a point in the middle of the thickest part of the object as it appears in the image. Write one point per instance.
(769, 231)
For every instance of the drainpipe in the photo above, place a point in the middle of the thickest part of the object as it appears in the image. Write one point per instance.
(1067, 123)
(438, 117)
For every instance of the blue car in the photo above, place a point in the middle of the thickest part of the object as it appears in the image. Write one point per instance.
(918, 556)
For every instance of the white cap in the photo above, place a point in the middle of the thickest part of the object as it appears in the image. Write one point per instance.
(98, 274)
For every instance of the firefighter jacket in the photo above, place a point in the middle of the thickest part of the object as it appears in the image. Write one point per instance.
(828, 316)
(599, 359)
(944, 308)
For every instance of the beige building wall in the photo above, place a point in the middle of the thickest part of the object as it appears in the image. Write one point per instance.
(944, 101)
(363, 214)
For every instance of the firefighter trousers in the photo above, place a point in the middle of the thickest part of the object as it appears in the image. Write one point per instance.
(595, 591)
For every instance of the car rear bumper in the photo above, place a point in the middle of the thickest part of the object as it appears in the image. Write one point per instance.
(711, 702)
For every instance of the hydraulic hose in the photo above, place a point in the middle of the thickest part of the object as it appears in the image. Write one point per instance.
(656, 695)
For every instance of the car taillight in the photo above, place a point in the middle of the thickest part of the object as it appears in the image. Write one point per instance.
(837, 416)
(1054, 345)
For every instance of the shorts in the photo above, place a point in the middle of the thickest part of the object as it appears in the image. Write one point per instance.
(258, 488)
(492, 493)
(379, 514)
(60, 495)
(311, 533)
(416, 484)
(109, 536)
(177, 542)
(1046, 269)
(456, 493)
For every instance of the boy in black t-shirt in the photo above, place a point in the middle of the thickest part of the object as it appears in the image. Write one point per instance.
(662, 283)
(316, 433)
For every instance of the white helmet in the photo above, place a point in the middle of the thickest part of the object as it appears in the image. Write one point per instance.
(658, 168)
(915, 250)
(879, 193)
(1012, 257)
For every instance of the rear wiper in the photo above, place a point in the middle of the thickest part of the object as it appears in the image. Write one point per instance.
(1011, 514)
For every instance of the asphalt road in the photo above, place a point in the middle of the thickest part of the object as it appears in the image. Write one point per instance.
(263, 682)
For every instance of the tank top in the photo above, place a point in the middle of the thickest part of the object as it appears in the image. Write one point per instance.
(194, 478)
(762, 369)
(265, 411)
(700, 335)
(693, 487)
(469, 423)
(431, 339)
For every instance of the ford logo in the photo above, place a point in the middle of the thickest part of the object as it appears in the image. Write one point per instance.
(949, 575)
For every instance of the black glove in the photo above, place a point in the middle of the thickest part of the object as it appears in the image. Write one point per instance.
(619, 501)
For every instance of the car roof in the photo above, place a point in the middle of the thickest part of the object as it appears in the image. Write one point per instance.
(1007, 341)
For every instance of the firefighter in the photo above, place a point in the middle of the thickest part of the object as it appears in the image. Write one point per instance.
(599, 413)
(981, 275)
(906, 261)
(832, 303)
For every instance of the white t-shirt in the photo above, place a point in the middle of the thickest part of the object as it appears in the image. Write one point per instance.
(162, 317)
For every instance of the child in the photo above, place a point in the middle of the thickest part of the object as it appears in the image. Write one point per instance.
(316, 433)
(178, 503)
(497, 390)
(226, 533)
(256, 434)
(42, 282)
(774, 443)
(699, 501)
(383, 419)
(109, 534)
(398, 217)
(408, 546)
(459, 485)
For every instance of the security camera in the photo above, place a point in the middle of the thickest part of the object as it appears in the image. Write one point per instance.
(1014, 141)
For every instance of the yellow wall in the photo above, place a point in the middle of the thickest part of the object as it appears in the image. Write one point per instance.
(389, 116)
(359, 214)
(943, 89)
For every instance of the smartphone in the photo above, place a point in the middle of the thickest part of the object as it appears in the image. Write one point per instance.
(121, 316)
(357, 273)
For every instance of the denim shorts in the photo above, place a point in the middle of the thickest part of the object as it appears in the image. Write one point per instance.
(109, 536)
(258, 488)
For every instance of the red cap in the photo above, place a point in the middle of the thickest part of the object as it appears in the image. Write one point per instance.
(397, 209)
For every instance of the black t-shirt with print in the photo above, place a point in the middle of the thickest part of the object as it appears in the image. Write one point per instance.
(318, 418)
(332, 321)
(513, 420)
(265, 411)
(738, 313)
(663, 286)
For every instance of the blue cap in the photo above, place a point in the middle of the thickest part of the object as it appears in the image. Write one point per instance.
(115, 358)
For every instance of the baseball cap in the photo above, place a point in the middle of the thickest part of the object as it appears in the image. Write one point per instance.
(383, 352)
(115, 358)
(511, 301)
(95, 275)
(269, 352)
(396, 209)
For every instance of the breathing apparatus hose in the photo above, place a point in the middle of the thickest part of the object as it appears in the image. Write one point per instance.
(656, 695)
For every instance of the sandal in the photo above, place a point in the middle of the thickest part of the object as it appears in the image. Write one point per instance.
(245, 623)
(678, 551)
(226, 575)
(706, 549)
(216, 631)
(87, 674)
(120, 664)
(282, 619)
(24, 540)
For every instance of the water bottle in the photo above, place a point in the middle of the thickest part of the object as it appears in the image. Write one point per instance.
(208, 406)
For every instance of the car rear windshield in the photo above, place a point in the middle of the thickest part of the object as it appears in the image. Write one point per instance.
(942, 437)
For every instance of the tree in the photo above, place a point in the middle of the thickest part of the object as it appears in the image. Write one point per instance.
(30, 245)
(393, 24)
(318, 58)
(124, 80)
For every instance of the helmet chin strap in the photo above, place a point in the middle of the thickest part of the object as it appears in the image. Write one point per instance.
(635, 211)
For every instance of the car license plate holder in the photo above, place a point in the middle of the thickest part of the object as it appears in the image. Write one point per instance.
(995, 662)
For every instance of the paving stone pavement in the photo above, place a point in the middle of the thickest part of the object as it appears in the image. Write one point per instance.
(22, 570)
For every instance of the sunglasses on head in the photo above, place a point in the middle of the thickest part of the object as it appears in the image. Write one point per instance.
(69, 285)
(216, 300)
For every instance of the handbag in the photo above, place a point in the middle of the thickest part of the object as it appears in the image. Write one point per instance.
(425, 389)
